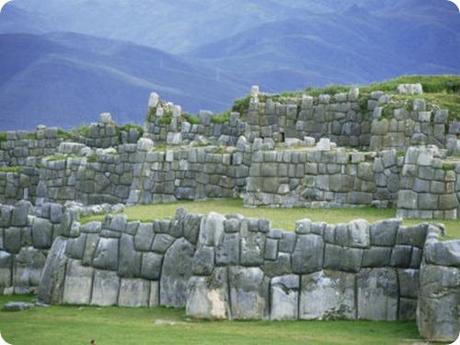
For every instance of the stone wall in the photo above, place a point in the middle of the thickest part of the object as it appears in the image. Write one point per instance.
(323, 177)
(138, 173)
(430, 185)
(24, 243)
(240, 268)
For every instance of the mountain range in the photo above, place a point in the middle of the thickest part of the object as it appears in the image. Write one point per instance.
(63, 62)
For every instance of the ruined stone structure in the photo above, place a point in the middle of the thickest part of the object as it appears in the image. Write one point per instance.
(351, 149)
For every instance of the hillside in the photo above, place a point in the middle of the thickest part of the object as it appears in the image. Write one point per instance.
(65, 79)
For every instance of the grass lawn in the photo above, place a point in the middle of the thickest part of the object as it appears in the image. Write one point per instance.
(60, 325)
(280, 218)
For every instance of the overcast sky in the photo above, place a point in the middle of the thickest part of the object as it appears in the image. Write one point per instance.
(3, 2)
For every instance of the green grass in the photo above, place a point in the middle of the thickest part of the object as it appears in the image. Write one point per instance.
(3, 136)
(221, 118)
(10, 169)
(280, 218)
(59, 325)
(64, 134)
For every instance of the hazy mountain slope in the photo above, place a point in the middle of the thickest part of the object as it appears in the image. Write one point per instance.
(356, 46)
(64, 79)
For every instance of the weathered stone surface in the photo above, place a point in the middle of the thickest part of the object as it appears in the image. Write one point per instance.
(208, 296)
(106, 254)
(327, 295)
(151, 266)
(76, 247)
(439, 301)
(77, 284)
(377, 257)
(342, 258)
(377, 291)
(144, 237)
(105, 288)
(134, 293)
(443, 253)
(162, 242)
(176, 271)
(29, 264)
(42, 233)
(5, 270)
(252, 249)
(53, 274)
(12, 240)
(408, 283)
(211, 230)
(384, 233)
(249, 290)
(228, 251)
(129, 265)
(308, 254)
(203, 261)
(284, 297)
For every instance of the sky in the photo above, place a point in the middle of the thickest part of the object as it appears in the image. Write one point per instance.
(456, 2)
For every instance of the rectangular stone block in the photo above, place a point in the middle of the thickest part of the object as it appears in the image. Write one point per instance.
(285, 297)
(377, 294)
(77, 284)
(327, 295)
(105, 288)
(134, 293)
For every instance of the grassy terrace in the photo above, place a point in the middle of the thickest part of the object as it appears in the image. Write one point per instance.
(59, 325)
(280, 218)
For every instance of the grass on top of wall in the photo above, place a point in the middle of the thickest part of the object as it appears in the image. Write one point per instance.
(71, 325)
(280, 217)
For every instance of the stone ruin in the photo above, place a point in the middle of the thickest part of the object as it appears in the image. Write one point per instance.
(342, 150)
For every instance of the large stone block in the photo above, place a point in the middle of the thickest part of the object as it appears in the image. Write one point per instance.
(377, 294)
(327, 295)
(144, 237)
(252, 249)
(203, 261)
(105, 288)
(443, 253)
(76, 247)
(249, 290)
(78, 283)
(284, 294)
(439, 300)
(5, 270)
(176, 271)
(151, 266)
(384, 233)
(28, 268)
(308, 254)
(134, 293)
(53, 274)
(211, 230)
(106, 254)
(208, 296)
(228, 251)
(42, 233)
(129, 259)
(12, 240)
(342, 258)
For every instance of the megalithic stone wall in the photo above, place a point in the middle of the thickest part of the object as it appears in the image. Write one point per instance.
(239, 268)
(25, 239)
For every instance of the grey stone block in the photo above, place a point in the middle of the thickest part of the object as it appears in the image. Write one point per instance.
(308, 254)
(408, 283)
(129, 265)
(327, 295)
(12, 240)
(284, 296)
(162, 242)
(443, 253)
(249, 290)
(78, 283)
(5, 269)
(151, 266)
(228, 252)
(252, 249)
(176, 271)
(106, 286)
(401, 256)
(342, 258)
(438, 304)
(106, 254)
(42, 233)
(53, 274)
(203, 261)
(76, 247)
(134, 293)
(377, 294)
(208, 296)
(144, 237)
(377, 257)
